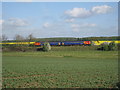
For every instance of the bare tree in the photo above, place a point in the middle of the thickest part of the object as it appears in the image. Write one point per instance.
(0, 38)
(19, 37)
(30, 37)
(4, 37)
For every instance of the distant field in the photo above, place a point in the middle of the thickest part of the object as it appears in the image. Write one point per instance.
(60, 69)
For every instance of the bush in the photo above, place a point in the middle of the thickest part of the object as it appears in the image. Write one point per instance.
(18, 48)
(46, 46)
(105, 47)
(108, 46)
(112, 46)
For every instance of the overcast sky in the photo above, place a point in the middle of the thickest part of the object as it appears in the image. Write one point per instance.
(59, 19)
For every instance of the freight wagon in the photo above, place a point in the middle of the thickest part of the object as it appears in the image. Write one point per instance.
(16, 43)
(100, 42)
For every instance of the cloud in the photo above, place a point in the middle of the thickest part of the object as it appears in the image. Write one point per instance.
(16, 0)
(1, 22)
(101, 9)
(78, 13)
(84, 13)
(78, 27)
(83, 25)
(16, 22)
(23, 0)
(46, 25)
(70, 20)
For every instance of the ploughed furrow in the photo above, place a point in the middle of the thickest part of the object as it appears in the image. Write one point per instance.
(28, 76)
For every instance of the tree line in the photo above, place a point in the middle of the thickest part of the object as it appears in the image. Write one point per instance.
(31, 38)
(18, 38)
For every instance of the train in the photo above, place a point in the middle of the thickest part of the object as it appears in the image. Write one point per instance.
(64, 43)
(70, 43)
(57, 43)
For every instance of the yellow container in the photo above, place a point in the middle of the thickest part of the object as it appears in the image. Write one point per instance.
(100, 42)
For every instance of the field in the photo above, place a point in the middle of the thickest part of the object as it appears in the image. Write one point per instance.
(60, 69)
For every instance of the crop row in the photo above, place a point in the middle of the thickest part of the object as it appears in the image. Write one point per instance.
(62, 72)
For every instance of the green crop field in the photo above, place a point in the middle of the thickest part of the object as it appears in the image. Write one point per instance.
(60, 69)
